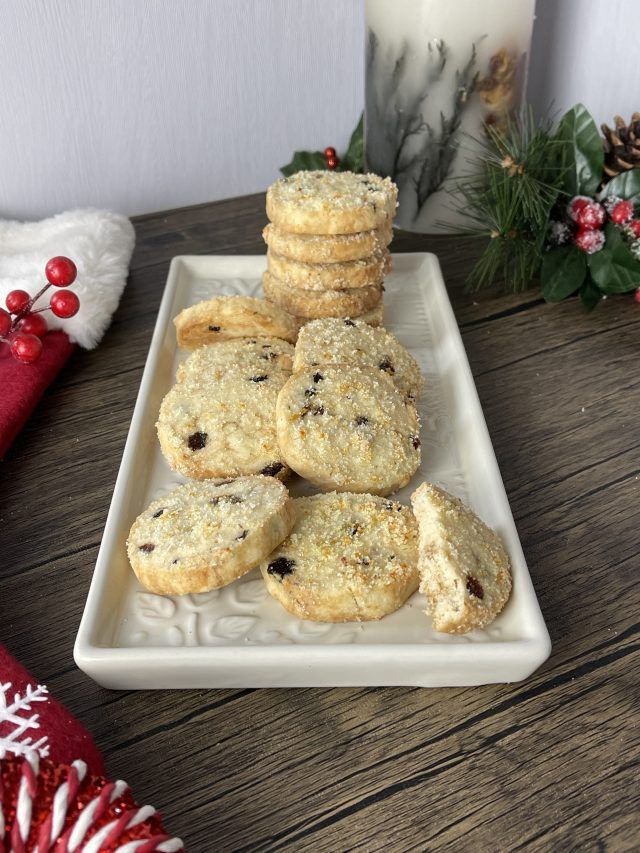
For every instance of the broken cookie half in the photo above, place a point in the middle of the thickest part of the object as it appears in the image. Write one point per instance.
(465, 572)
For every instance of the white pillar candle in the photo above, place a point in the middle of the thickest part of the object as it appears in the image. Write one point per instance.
(435, 71)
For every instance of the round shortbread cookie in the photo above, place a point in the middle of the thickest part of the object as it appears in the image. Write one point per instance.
(342, 276)
(202, 536)
(323, 202)
(320, 303)
(232, 317)
(348, 428)
(223, 424)
(348, 341)
(326, 249)
(248, 355)
(348, 558)
(464, 567)
(374, 317)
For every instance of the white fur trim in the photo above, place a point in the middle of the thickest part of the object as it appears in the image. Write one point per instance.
(100, 243)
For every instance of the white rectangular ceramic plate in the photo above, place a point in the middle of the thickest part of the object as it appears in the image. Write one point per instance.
(239, 636)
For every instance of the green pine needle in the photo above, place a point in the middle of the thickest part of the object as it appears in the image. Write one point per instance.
(508, 196)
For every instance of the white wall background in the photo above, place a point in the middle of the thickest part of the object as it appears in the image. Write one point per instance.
(142, 105)
(586, 50)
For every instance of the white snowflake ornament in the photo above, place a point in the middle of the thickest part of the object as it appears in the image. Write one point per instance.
(18, 724)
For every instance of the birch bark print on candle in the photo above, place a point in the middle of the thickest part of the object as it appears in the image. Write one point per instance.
(435, 72)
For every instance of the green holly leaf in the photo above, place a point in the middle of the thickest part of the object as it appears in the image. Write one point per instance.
(304, 161)
(582, 151)
(614, 269)
(625, 185)
(353, 160)
(563, 271)
(590, 294)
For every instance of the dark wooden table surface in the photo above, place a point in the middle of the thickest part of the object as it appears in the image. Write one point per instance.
(548, 764)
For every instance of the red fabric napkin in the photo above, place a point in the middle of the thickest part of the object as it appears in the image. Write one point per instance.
(22, 385)
(31, 718)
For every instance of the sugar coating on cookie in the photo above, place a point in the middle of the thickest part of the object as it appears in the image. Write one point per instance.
(348, 341)
(326, 249)
(464, 568)
(320, 303)
(324, 202)
(238, 354)
(202, 536)
(232, 317)
(219, 421)
(349, 557)
(330, 276)
(348, 428)
(374, 317)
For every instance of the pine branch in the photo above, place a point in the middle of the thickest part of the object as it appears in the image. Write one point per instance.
(508, 196)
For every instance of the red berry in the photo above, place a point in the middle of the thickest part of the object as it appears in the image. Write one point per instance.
(65, 303)
(589, 241)
(577, 205)
(5, 323)
(591, 217)
(61, 271)
(332, 162)
(33, 324)
(622, 212)
(586, 212)
(636, 295)
(635, 227)
(17, 300)
(26, 348)
(329, 152)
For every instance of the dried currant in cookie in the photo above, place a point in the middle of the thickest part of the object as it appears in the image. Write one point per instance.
(474, 587)
(317, 377)
(281, 566)
(147, 548)
(262, 378)
(273, 469)
(197, 440)
(386, 365)
(157, 514)
(214, 328)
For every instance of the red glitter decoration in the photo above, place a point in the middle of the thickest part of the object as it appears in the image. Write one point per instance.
(43, 779)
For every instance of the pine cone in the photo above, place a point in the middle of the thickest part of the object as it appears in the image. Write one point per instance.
(621, 146)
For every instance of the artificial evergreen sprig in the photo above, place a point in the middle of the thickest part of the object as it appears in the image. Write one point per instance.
(515, 181)
(541, 196)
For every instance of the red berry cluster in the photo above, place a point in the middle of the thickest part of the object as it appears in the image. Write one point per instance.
(22, 327)
(331, 158)
(589, 217)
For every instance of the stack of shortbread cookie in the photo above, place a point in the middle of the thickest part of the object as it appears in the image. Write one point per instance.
(328, 244)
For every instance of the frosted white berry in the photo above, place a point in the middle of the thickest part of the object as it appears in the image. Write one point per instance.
(559, 233)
